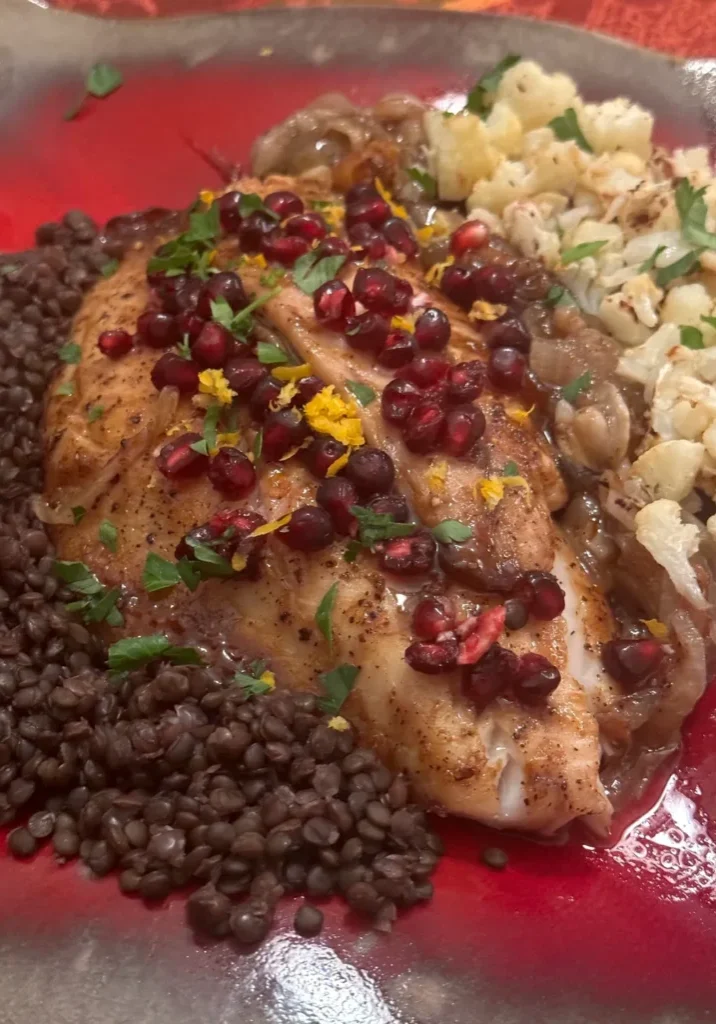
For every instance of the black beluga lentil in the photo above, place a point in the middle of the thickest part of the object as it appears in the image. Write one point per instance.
(170, 777)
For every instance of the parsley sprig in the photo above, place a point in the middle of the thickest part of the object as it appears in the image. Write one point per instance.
(480, 98)
(96, 603)
(191, 251)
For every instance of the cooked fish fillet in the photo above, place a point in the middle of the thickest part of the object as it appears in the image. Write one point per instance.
(508, 765)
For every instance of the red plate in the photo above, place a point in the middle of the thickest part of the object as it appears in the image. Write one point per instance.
(569, 933)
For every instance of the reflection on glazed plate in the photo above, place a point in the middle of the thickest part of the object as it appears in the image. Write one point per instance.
(565, 933)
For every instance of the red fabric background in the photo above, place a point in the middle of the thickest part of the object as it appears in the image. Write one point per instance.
(681, 27)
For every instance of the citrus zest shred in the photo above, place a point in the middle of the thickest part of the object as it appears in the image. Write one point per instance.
(482, 310)
(238, 562)
(269, 678)
(436, 476)
(337, 465)
(425, 235)
(492, 488)
(403, 323)
(180, 428)
(338, 723)
(333, 216)
(329, 413)
(520, 416)
(396, 209)
(291, 372)
(214, 383)
(207, 196)
(275, 524)
(227, 440)
(657, 628)
(285, 396)
(290, 453)
(258, 260)
(435, 274)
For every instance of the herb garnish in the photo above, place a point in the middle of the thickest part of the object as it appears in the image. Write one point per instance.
(211, 422)
(272, 277)
(94, 413)
(309, 273)
(253, 684)
(377, 526)
(183, 349)
(337, 685)
(425, 180)
(134, 651)
(108, 535)
(324, 612)
(478, 99)
(691, 337)
(571, 391)
(78, 513)
(684, 265)
(580, 252)
(511, 469)
(70, 353)
(101, 81)
(191, 251)
(451, 531)
(160, 574)
(111, 267)
(361, 392)
(98, 603)
(239, 323)
(67, 389)
(253, 203)
(692, 209)
(558, 296)
(649, 264)
(567, 129)
(270, 354)
(710, 320)
(258, 445)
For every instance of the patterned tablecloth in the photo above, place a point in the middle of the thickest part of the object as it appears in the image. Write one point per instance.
(682, 27)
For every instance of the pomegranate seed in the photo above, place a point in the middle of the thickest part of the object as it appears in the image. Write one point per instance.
(458, 283)
(535, 679)
(322, 453)
(432, 616)
(372, 210)
(337, 496)
(506, 369)
(372, 244)
(284, 249)
(253, 229)
(190, 324)
(408, 556)
(310, 226)
(510, 332)
(366, 332)
(631, 662)
(516, 613)
(426, 371)
(488, 627)
(158, 330)
(490, 677)
(398, 349)
(370, 470)
(225, 285)
(465, 381)
(362, 190)
(229, 215)
(432, 330)
(495, 284)
(542, 594)
(265, 392)
(283, 430)
(424, 428)
(332, 245)
(375, 289)
(398, 400)
(333, 303)
(471, 235)
(213, 346)
(403, 295)
(393, 505)
(432, 658)
(244, 374)
(464, 426)
(310, 529)
(284, 204)
(114, 344)
(171, 371)
(308, 388)
(398, 234)
(180, 294)
(232, 473)
(178, 460)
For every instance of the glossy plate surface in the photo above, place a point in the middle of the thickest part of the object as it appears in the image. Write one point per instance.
(565, 933)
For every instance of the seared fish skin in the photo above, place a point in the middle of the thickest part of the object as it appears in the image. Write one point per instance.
(508, 765)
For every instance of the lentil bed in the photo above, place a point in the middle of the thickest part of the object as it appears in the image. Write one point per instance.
(169, 777)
